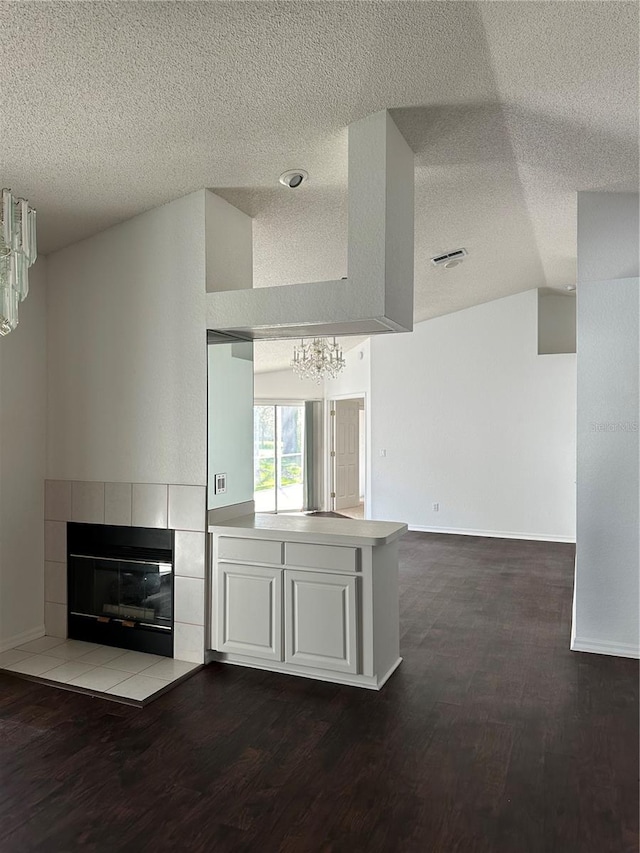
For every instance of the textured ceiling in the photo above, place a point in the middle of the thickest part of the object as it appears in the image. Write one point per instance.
(511, 107)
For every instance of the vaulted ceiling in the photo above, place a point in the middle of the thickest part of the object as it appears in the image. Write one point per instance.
(112, 108)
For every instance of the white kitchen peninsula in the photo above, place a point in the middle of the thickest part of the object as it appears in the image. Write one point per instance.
(307, 595)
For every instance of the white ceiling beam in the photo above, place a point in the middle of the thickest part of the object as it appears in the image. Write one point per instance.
(377, 295)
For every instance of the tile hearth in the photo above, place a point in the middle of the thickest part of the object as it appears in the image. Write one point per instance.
(115, 674)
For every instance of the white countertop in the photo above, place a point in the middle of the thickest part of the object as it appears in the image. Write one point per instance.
(306, 528)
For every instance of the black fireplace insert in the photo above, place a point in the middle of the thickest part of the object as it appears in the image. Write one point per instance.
(120, 586)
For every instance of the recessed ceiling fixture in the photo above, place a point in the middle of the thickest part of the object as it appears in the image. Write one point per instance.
(293, 178)
(451, 259)
(17, 253)
(317, 359)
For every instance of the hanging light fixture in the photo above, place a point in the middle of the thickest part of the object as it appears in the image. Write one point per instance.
(18, 251)
(317, 359)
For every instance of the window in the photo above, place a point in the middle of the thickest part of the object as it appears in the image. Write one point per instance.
(278, 458)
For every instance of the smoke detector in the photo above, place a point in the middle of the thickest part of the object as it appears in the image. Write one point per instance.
(293, 178)
(451, 259)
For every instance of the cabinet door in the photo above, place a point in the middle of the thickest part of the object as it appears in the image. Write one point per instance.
(320, 620)
(249, 610)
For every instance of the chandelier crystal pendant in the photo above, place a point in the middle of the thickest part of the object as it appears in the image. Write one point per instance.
(317, 359)
(18, 252)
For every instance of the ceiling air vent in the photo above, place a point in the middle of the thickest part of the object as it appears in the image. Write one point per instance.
(449, 259)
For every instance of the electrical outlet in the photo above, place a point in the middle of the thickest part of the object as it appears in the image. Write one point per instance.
(436, 507)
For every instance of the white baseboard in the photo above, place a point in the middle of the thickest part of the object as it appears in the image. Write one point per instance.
(19, 639)
(605, 647)
(388, 675)
(369, 682)
(493, 534)
(573, 603)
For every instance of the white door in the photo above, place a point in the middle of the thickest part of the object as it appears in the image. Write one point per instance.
(347, 450)
(249, 610)
(320, 620)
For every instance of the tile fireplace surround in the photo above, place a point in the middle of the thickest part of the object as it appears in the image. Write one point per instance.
(177, 507)
(105, 671)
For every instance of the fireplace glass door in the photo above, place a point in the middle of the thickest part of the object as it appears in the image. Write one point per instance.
(120, 586)
(126, 591)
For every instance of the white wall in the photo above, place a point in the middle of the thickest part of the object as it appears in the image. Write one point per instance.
(362, 453)
(22, 465)
(230, 427)
(607, 593)
(229, 245)
(284, 385)
(472, 418)
(355, 380)
(127, 355)
(556, 323)
(607, 235)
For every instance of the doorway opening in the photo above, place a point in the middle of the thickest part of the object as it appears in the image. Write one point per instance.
(278, 452)
(347, 456)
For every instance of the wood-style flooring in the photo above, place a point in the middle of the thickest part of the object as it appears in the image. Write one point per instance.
(492, 736)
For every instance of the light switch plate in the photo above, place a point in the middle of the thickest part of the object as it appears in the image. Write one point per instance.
(220, 484)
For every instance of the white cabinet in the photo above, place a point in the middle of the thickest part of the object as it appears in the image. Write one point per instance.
(249, 550)
(324, 606)
(333, 558)
(249, 610)
(320, 620)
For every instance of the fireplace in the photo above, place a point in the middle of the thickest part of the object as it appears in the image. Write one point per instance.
(120, 586)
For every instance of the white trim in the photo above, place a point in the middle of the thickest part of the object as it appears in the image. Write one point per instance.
(605, 647)
(382, 681)
(368, 682)
(357, 395)
(573, 605)
(19, 639)
(329, 403)
(283, 401)
(494, 534)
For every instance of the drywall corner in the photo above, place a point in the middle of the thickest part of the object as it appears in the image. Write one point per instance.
(229, 245)
(23, 395)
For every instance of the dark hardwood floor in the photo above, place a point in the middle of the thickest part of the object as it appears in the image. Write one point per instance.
(491, 736)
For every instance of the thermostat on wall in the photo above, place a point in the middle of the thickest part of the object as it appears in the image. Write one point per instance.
(221, 484)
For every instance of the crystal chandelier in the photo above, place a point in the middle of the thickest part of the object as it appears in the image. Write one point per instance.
(317, 358)
(17, 253)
